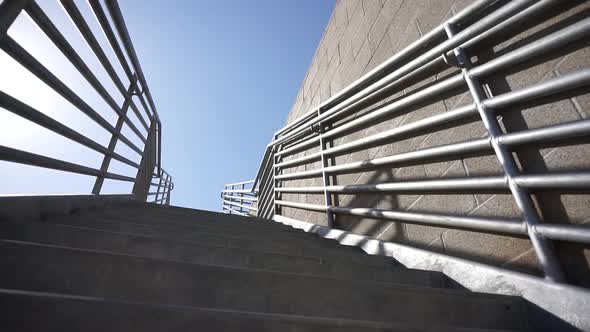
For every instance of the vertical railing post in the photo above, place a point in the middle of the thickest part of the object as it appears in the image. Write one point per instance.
(106, 161)
(275, 182)
(160, 176)
(158, 145)
(325, 176)
(223, 194)
(231, 200)
(147, 165)
(168, 189)
(543, 248)
(243, 186)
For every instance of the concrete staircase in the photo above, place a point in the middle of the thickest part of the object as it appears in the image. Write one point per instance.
(155, 268)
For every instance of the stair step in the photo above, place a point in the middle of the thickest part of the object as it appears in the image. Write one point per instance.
(313, 247)
(36, 311)
(43, 268)
(251, 232)
(76, 237)
(190, 215)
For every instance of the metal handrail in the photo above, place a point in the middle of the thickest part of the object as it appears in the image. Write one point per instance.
(242, 196)
(148, 118)
(446, 46)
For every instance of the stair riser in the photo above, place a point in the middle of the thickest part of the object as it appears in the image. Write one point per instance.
(206, 217)
(185, 252)
(35, 313)
(65, 271)
(309, 248)
(250, 232)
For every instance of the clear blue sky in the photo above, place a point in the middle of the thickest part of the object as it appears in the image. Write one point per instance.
(224, 75)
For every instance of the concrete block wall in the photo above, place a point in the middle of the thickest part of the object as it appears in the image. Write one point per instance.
(362, 34)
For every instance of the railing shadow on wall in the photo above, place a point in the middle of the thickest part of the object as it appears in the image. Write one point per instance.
(314, 162)
(145, 126)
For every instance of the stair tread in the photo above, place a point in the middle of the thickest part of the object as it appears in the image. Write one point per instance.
(192, 215)
(75, 271)
(314, 247)
(198, 228)
(195, 221)
(151, 247)
(98, 314)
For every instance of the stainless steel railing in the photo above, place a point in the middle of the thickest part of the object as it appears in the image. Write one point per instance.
(446, 46)
(239, 198)
(149, 168)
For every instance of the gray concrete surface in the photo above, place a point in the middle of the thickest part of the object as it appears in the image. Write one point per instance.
(59, 262)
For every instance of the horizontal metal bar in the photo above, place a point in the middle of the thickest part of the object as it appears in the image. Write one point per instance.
(403, 103)
(427, 154)
(552, 86)
(110, 34)
(549, 87)
(236, 198)
(305, 206)
(115, 11)
(163, 179)
(163, 184)
(19, 54)
(45, 24)
(548, 43)
(519, 55)
(556, 132)
(301, 160)
(484, 224)
(437, 120)
(420, 96)
(77, 18)
(240, 205)
(469, 32)
(574, 233)
(74, 13)
(243, 191)
(246, 198)
(297, 122)
(549, 134)
(310, 142)
(567, 181)
(563, 181)
(388, 65)
(158, 193)
(21, 109)
(102, 19)
(539, 47)
(28, 158)
(366, 82)
(576, 79)
(239, 183)
(471, 184)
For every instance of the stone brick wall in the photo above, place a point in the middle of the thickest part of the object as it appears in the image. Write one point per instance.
(362, 34)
